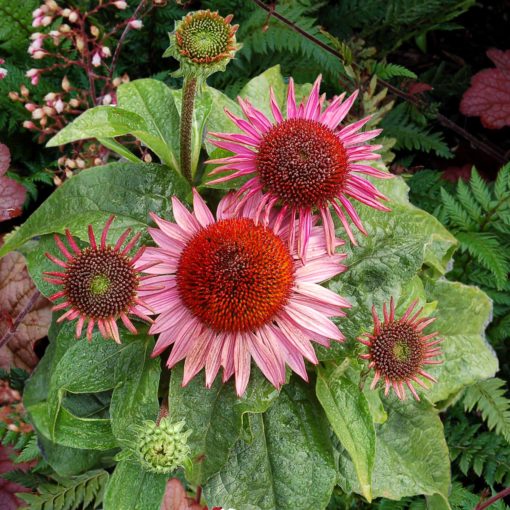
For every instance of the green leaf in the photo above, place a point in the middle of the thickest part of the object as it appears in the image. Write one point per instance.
(349, 415)
(502, 185)
(117, 147)
(132, 488)
(135, 397)
(388, 71)
(490, 400)
(257, 90)
(99, 122)
(456, 213)
(411, 454)
(154, 102)
(288, 465)
(462, 314)
(215, 416)
(480, 190)
(128, 190)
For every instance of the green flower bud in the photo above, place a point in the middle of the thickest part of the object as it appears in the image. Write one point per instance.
(203, 42)
(163, 448)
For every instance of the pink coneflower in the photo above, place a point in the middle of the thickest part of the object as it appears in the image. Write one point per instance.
(304, 162)
(100, 283)
(233, 290)
(398, 350)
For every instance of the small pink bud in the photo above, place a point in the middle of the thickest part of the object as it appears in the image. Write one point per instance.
(30, 107)
(64, 28)
(70, 163)
(32, 72)
(13, 96)
(57, 180)
(80, 163)
(105, 52)
(74, 103)
(80, 44)
(136, 24)
(37, 12)
(35, 80)
(39, 54)
(37, 114)
(120, 5)
(50, 96)
(46, 21)
(3, 73)
(59, 105)
(37, 21)
(117, 81)
(96, 59)
(98, 162)
(48, 110)
(36, 35)
(66, 85)
(94, 31)
(107, 100)
(28, 124)
(73, 17)
(68, 172)
(24, 91)
(65, 13)
(52, 5)
(43, 121)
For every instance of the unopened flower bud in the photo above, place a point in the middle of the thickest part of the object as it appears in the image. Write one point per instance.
(96, 59)
(68, 172)
(13, 96)
(116, 82)
(57, 180)
(46, 21)
(107, 100)
(59, 105)
(70, 163)
(30, 107)
(80, 44)
(61, 160)
(147, 158)
(28, 124)
(52, 5)
(65, 13)
(37, 114)
(136, 24)
(39, 54)
(80, 163)
(3, 73)
(35, 80)
(24, 91)
(66, 85)
(73, 17)
(74, 103)
(37, 12)
(120, 5)
(37, 21)
(50, 96)
(94, 31)
(64, 28)
(98, 162)
(36, 35)
(43, 121)
(106, 52)
(48, 110)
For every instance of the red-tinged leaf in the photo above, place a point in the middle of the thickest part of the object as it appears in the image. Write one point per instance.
(175, 498)
(419, 88)
(5, 158)
(488, 97)
(16, 289)
(454, 173)
(8, 500)
(12, 197)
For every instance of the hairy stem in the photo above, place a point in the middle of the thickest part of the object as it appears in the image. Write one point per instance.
(12, 330)
(188, 101)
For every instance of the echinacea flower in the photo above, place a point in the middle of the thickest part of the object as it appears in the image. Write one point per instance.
(233, 290)
(398, 351)
(304, 162)
(100, 283)
(203, 42)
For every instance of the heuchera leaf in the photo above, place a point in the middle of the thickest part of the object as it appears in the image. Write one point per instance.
(8, 489)
(488, 97)
(16, 289)
(12, 193)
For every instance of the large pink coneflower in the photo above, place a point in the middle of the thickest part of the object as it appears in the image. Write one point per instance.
(398, 351)
(233, 291)
(99, 283)
(304, 162)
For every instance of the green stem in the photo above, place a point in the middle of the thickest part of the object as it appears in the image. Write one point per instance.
(188, 101)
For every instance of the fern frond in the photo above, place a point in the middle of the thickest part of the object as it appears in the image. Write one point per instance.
(388, 71)
(489, 398)
(480, 190)
(72, 493)
(30, 451)
(502, 184)
(468, 201)
(456, 214)
(487, 250)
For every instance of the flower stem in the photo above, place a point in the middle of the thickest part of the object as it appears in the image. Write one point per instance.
(500, 495)
(188, 101)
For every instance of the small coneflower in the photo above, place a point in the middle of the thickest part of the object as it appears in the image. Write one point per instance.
(233, 291)
(304, 162)
(398, 351)
(100, 283)
(203, 42)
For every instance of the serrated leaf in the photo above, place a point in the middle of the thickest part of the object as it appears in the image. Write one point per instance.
(99, 122)
(127, 190)
(455, 211)
(215, 416)
(411, 454)
(480, 190)
(502, 185)
(132, 488)
(289, 463)
(349, 415)
(462, 314)
(388, 71)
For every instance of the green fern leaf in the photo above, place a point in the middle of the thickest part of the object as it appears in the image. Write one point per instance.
(502, 185)
(468, 201)
(490, 400)
(388, 71)
(456, 214)
(480, 190)
(486, 249)
(30, 452)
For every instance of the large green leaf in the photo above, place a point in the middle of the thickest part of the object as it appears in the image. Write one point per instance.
(128, 190)
(215, 416)
(153, 101)
(411, 454)
(349, 415)
(99, 122)
(135, 397)
(132, 488)
(462, 313)
(289, 463)
(399, 244)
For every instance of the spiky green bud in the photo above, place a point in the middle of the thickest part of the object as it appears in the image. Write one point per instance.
(203, 42)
